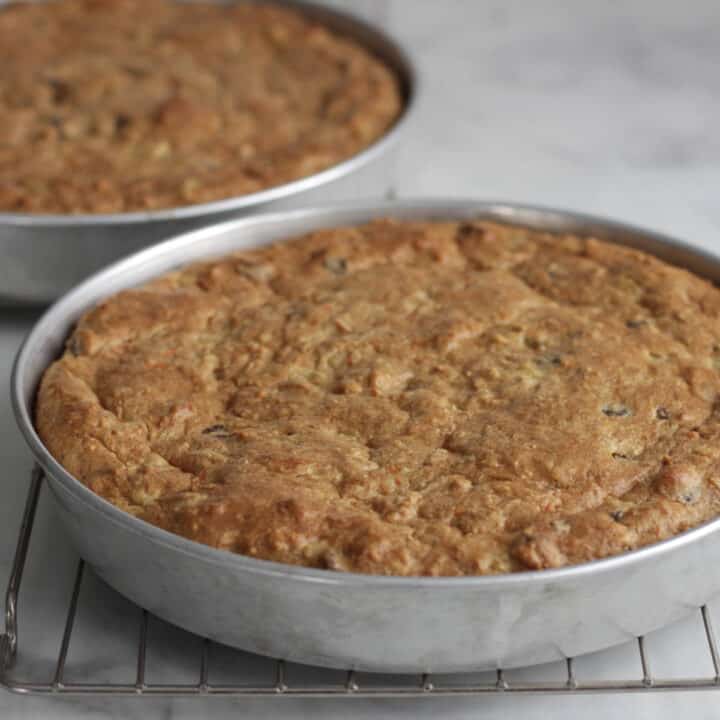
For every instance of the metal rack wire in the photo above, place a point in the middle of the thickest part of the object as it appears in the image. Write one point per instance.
(277, 683)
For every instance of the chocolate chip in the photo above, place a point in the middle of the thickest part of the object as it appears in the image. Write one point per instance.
(662, 414)
(635, 324)
(122, 121)
(620, 456)
(617, 515)
(465, 230)
(60, 91)
(336, 265)
(74, 346)
(549, 359)
(217, 431)
(616, 410)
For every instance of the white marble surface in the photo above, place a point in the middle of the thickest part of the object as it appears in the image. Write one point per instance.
(610, 108)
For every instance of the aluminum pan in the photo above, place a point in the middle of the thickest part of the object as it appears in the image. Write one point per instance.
(353, 620)
(45, 254)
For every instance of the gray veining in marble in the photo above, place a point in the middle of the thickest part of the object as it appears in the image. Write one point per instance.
(609, 108)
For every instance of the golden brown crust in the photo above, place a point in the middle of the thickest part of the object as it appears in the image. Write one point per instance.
(403, 398)
(118, 105)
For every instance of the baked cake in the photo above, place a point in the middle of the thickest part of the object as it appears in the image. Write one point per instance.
(404, 398)
(109, 106)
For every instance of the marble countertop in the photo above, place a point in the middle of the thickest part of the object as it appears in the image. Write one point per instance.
(609, 108)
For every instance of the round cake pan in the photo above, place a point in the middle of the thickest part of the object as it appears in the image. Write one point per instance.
(349, 620)
(45, 255)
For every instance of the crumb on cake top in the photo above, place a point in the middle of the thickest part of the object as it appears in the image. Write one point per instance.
(407, 398)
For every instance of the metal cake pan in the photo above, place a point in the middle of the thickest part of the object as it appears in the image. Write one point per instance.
(351, 620)
(44, 255)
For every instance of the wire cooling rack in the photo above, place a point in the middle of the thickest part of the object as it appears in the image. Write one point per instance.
(261, 676)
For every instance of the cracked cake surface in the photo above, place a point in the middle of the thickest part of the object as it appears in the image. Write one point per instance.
(404, 398)
(111, 106)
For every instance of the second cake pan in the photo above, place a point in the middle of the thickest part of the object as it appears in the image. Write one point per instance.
(45, 255)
